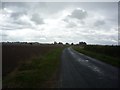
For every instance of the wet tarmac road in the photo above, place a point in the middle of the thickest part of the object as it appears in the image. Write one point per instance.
(81, 71)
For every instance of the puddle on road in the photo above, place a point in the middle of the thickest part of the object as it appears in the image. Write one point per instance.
(86, 60)
(91, 66)
(96, 69)
(83, 61)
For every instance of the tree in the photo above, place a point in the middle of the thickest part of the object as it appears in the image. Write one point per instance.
(67, 43)
(55, 42)
(72, 43)
(82, 43)
(60, 43)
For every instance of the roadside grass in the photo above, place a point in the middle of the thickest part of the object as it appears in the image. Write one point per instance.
(35, 72)
(114, 61)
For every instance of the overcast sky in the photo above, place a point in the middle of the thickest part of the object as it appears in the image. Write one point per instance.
(94, 23)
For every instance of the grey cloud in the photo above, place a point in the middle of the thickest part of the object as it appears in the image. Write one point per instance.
(15, 6)
(15, 25)
(17, 15)
(71, 25)
(4, 35)
(79, 14)
(119, 15)
(12, 27)
(14, 21)
(0, 5)
(29, 7)
(19, 22)
(99, 23)
(98, 38)
(17, 9)
(37, 19)
(75, 22)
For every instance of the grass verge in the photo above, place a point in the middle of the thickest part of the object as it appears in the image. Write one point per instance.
(35, 72)
(105, 58)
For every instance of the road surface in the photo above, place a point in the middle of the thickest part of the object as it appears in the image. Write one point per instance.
(81, 71)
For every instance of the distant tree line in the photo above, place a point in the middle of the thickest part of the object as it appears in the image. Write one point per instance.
(60, 43)
(55, 43)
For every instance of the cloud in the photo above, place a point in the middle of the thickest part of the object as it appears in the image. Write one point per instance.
(71, 25)
(37, 19)
(99, 23)
(76, 18)
(66, 22)
(13, 24)
(16, 15)
(13, 19)
(78, 14)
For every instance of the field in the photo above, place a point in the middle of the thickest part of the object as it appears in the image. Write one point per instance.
(30, 66)
(38, 65)
(107, 54)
